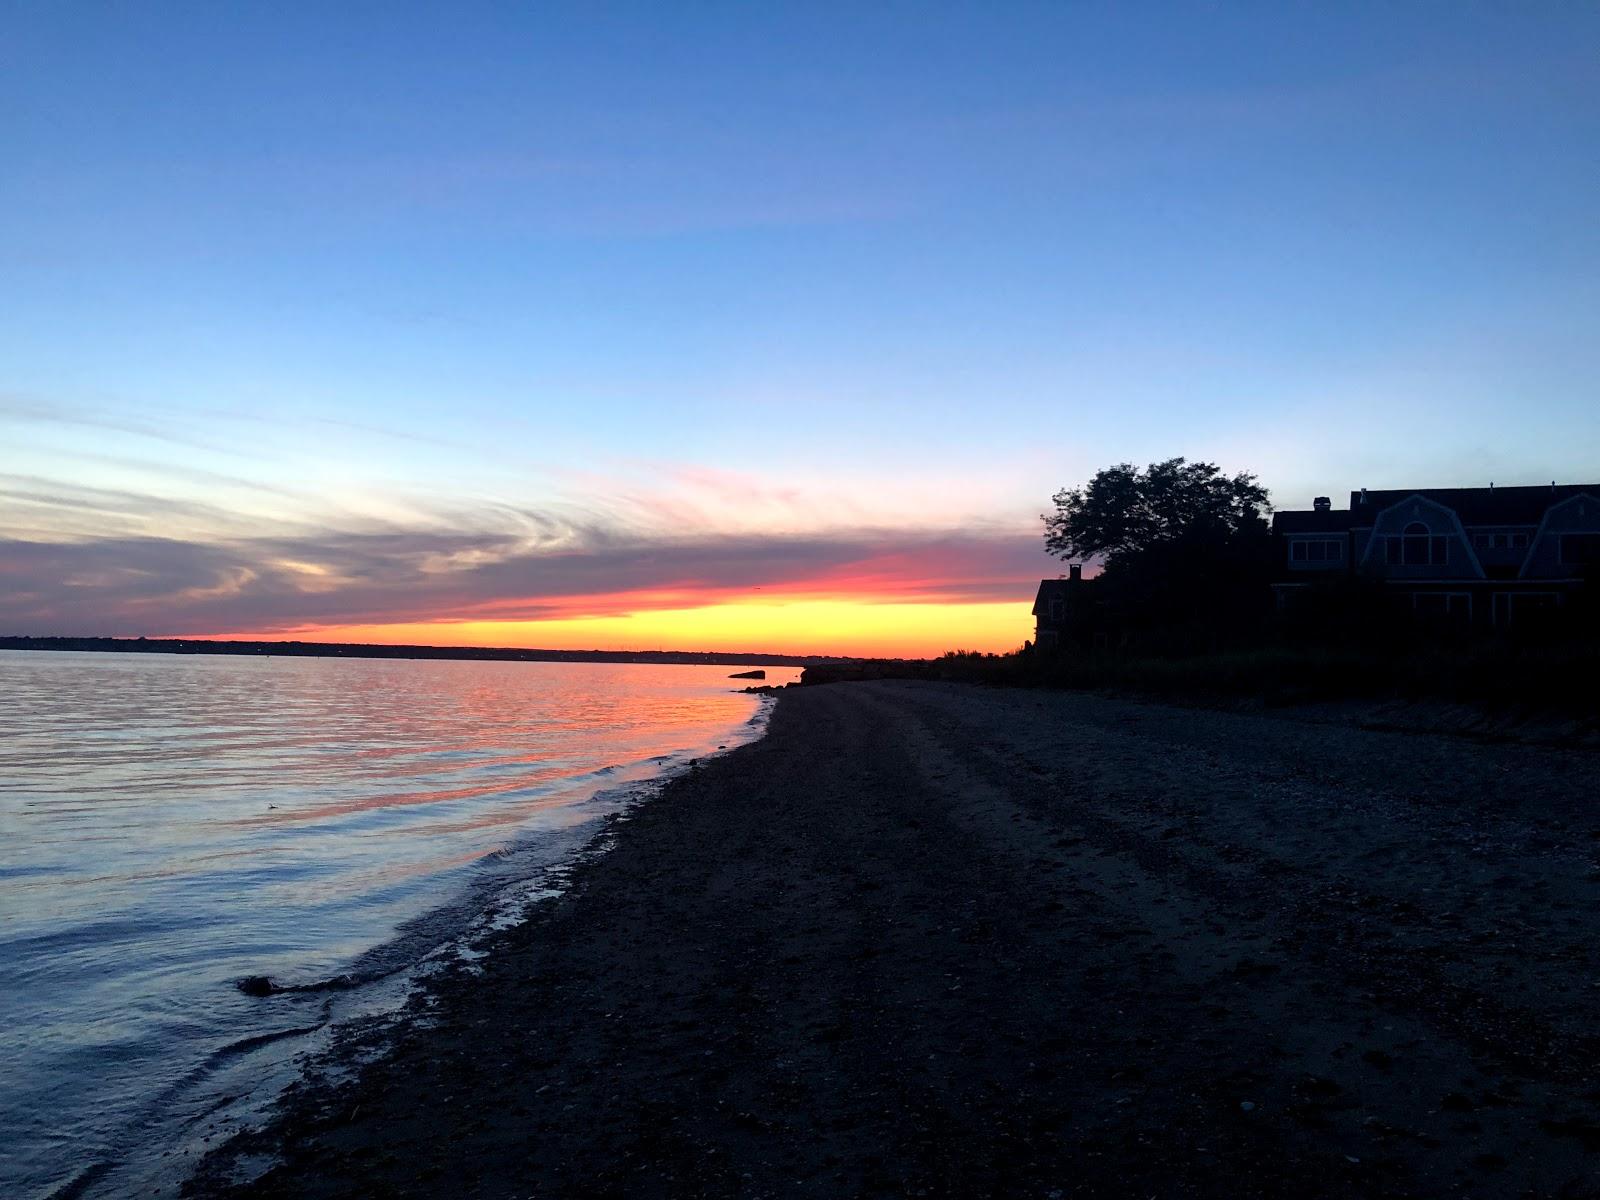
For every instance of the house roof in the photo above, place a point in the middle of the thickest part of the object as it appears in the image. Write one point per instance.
(1475, 506)
(1047, 589)
(1479, 506)
(1311, 521)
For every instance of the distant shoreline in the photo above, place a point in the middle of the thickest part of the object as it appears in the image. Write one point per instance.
(297, 649)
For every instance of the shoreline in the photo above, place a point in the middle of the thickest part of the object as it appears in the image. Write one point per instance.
(255, 1010)
(927, 938)
(362, 1005)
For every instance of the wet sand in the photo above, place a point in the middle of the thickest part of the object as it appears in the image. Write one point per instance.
(933, 940)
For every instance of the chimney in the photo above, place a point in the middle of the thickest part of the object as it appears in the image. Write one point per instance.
(1075, 572)
(1322, 504)
(1363, 495)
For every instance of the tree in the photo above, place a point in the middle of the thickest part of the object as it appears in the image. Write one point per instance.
(1124, 512)
(1186, 552)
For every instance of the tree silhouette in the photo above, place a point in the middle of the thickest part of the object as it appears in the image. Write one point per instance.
(1186, 549)
(1124, 511)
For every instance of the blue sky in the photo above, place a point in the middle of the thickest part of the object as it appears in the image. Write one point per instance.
(734, 269)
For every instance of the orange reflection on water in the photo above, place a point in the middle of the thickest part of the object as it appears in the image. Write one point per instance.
(175, 823)
(500, 734)
(379, 800)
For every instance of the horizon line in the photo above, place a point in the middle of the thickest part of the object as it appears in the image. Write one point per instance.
(395, 649)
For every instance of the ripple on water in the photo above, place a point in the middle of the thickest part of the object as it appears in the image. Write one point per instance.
(173, 824)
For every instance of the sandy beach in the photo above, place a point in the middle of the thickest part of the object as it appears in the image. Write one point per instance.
(934, 940)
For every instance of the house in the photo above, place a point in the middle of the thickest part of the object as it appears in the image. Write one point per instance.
(1059, 607)
(1485, 557)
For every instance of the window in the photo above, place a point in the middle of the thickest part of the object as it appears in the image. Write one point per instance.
(1316, 550)
(1416, 547)
(1580, 549)
(1057, 608)
(1504, 540)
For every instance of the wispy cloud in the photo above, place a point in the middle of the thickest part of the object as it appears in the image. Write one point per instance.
(160, 548)
(546, 569)
(173, 428)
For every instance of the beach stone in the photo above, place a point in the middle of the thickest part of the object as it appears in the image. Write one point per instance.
(256, 985)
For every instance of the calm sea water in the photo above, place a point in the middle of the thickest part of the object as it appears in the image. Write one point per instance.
(169, 825)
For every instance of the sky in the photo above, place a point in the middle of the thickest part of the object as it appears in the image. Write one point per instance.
(751, 327)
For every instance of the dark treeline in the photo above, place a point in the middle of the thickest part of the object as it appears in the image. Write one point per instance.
(361, 650)
(1552, 670)
(1183, 608)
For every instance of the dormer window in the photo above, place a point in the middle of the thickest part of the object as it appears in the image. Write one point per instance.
(1416, 547)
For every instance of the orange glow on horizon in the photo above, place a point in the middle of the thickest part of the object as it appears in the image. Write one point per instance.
(823, 627)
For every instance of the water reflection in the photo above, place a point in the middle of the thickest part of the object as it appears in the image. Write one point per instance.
(171, 824)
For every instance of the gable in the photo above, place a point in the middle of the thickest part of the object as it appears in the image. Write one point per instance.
(1396, 544)
(1564, 542)
(1048, 589)
(1578, 513)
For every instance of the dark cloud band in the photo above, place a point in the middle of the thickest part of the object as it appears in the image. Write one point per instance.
(546, 569)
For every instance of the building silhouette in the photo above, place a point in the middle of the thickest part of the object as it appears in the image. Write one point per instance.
(1483, 557)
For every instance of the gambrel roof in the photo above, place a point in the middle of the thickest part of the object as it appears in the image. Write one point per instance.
(1473, 506)
(1476, 506)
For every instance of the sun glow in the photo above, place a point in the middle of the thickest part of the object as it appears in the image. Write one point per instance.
(835, 627)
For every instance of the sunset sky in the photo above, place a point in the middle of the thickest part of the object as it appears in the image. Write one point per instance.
(751, 328)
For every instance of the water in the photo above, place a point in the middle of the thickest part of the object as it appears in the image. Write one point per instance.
(170, 825)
